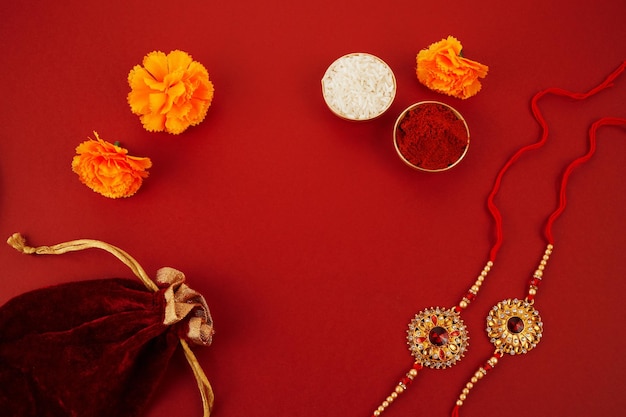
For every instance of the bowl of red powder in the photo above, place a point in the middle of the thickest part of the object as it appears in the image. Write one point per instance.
(431, 136)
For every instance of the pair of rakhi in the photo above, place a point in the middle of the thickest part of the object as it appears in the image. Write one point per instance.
(438, 337)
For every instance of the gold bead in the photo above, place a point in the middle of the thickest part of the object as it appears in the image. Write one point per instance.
(532, 291)
(394, 395)
(478, 375)
(474, 380)
(462, 397)
(463, 304)
(484, 273)
(550, 246)
(478, 283)
(543, 262)
(494, 360)
(385, 404)
(541, 267)
(381, 409)
(489, 264)
(538, 273)
(480, 278)
(413, 372)
(546, 257)
(474, 289)
(459, 403)
(465, 391)
(469, 385)
(399, 389)
(376, 413)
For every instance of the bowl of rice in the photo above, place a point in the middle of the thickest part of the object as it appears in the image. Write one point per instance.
(358, 86)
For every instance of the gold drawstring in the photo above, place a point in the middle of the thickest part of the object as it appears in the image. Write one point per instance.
(18, 242)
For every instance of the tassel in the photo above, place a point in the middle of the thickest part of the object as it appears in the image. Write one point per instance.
(455, 411)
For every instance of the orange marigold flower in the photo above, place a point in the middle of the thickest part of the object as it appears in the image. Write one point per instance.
(169, 92)
(442, 68)
(108, 169)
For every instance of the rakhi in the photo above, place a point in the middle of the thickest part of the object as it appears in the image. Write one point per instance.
(514, 326)
(438, 338)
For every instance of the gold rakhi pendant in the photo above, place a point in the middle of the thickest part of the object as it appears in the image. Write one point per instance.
(437, 337)
(514, 326)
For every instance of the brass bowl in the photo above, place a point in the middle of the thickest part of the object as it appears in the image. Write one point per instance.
(425, 151)
(359, 86)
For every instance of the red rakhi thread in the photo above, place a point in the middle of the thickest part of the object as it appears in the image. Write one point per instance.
(493, 209)
(527, 303)
(606, 121)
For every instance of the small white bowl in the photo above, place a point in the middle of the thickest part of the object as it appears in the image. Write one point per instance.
(359, 86)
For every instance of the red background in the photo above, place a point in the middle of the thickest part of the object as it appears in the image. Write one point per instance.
(312, 242)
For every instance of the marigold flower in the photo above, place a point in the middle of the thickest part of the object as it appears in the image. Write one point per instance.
(108, 169)
(442, 68)
(169, 92)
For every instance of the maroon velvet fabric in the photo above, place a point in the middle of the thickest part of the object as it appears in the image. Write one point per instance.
(85, 349)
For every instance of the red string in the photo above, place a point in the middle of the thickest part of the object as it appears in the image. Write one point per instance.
(455, 411)
(493, 209)
(606, 121)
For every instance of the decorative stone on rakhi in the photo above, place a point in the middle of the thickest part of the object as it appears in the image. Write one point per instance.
(100, 347)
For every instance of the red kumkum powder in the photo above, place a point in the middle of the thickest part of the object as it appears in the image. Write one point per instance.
(431, 136)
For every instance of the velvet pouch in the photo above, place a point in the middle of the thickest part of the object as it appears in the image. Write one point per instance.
(97, 348)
